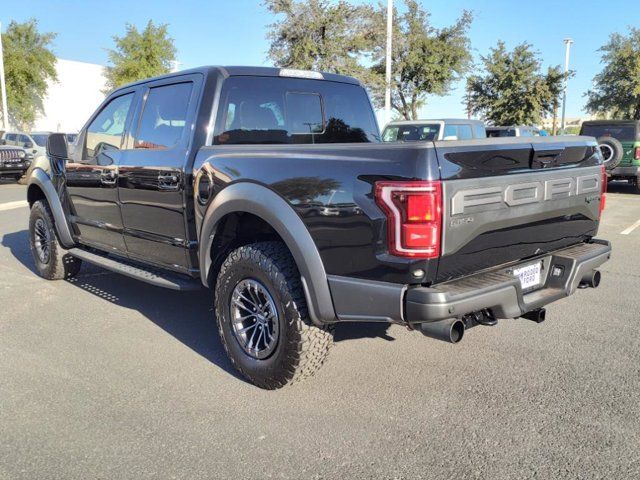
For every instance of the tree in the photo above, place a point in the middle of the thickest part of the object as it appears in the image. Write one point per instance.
(426, 60)
(29, 65)
(616, 88)
(513, 89)
(139, 55)
(320, 35)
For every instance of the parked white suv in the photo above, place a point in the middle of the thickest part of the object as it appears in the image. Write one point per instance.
(34, 143)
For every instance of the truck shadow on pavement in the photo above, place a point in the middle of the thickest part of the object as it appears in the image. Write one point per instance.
(187, 316)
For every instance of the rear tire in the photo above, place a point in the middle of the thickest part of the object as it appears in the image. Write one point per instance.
(291, 347)
(51, 260)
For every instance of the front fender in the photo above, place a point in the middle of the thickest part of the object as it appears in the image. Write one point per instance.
(273, 209)
(40, 178)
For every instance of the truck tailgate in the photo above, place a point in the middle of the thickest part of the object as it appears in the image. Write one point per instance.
(509, 199)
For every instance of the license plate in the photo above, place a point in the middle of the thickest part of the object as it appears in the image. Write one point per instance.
(529, 275)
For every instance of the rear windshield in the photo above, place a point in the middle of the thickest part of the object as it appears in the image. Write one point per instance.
(268, 110)
(619, 132)
(411, 133)
(501, 132)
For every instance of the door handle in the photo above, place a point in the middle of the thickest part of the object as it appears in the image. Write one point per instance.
(108, 177)
(168, 181)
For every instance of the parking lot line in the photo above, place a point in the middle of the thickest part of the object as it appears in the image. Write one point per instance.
(12, 205)
(630, 229)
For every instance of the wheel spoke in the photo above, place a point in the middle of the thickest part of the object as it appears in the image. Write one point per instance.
(252, 302)
(246, 329)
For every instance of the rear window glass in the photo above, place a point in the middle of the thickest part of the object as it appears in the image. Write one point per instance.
(493, 133)
(268, 110)
(619, 132)
(411, 133)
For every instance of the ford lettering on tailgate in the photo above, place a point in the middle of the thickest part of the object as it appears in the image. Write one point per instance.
(475, 199)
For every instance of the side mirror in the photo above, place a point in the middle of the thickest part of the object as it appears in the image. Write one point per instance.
(28, 144)
(451, 137)
(3, 141)
(57, 146)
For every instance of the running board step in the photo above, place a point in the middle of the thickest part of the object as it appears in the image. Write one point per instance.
(157, 277)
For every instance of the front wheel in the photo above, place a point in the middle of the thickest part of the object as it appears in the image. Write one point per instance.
(262, 317)
(51, 260)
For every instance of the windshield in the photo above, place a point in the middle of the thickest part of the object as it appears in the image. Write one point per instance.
(411, 133)
(619, 132)
(40, 139)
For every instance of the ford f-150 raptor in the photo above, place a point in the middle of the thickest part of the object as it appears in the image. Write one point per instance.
(271, 187)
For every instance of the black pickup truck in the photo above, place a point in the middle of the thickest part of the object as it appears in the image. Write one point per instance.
(272, 188)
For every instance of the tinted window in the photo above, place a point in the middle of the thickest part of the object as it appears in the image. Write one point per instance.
(164, 116)
(411, 133)
(40, 139)
(464, 132)
(525, 132)
(620, 132)
(107, 129)
(288, 110)
(501, 132)
(23, 139)
(305, 113)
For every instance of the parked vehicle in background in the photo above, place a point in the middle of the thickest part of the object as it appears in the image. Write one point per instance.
(432, 130)
(71, 141)
(515, 131)
(14, 162)
(34, 143)
(271, 187)
(619, 141)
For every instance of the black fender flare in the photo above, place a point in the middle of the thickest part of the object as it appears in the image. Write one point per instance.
(273, 209)
(40, 178)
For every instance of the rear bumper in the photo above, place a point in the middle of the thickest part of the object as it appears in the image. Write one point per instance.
(501, 292)
(625, 172)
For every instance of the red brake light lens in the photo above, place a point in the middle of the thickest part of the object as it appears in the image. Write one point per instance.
(603, 190)
(637, 155)
(414, 217)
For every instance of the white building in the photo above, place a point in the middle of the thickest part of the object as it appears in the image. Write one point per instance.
(73, 98)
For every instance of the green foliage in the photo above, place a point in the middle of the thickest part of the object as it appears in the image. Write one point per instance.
(140, 55)
(29, 65)
(426, 60)
(572, 130)
(320, 35)
(513, 89)
(616, 88)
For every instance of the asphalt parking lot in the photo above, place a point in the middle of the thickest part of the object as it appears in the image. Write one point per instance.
(105, 377)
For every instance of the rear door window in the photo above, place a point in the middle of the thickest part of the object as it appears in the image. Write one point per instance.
(164, 117)
(272, 110)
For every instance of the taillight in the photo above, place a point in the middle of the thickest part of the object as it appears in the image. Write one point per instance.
(603, 190)
(637, 154)
(414, 217)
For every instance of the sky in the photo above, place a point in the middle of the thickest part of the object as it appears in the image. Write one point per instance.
(234, 32)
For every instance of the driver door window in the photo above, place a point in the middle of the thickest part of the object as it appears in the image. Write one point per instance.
(107, 129)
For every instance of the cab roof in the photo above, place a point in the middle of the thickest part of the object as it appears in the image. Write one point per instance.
(235, 71)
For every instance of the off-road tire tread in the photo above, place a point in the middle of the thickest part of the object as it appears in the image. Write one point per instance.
(308, 345)
(62, 265)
